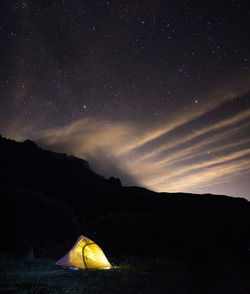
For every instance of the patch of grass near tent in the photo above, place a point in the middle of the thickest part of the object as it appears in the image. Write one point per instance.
(130, 274)
(41, 276)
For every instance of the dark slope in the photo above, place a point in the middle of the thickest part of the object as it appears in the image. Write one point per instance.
(25, 165)
(37, 183)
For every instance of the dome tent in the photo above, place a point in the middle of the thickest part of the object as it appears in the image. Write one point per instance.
(85, 254)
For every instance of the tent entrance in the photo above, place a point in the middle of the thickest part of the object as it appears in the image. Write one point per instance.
(93, 256)
(85, 256)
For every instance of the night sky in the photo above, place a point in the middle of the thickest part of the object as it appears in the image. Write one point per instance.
(156, 93)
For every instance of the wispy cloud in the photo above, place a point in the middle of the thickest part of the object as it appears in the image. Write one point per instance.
(180, 154)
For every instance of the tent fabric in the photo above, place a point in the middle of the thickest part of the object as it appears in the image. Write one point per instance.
(85, 254)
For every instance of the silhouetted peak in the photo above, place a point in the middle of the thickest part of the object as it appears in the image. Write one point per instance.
(79, 161)
(115, 182)
(30, 143)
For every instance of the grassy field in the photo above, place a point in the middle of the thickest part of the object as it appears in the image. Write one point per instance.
(132, 275)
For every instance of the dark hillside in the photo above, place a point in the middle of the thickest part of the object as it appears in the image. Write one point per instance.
(25, 165)
(59, 195)
(57, 175)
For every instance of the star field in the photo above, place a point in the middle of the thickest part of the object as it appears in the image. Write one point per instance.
(155, 92)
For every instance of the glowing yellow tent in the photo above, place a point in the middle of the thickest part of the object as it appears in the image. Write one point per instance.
(85, 254)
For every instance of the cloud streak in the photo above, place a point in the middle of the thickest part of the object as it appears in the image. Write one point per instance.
(189, 154)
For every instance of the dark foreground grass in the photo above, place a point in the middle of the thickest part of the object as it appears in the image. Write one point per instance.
(131, 275)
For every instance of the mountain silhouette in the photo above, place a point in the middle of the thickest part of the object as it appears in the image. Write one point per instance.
(76, 198)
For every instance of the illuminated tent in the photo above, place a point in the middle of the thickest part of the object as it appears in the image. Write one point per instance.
(85, 254)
